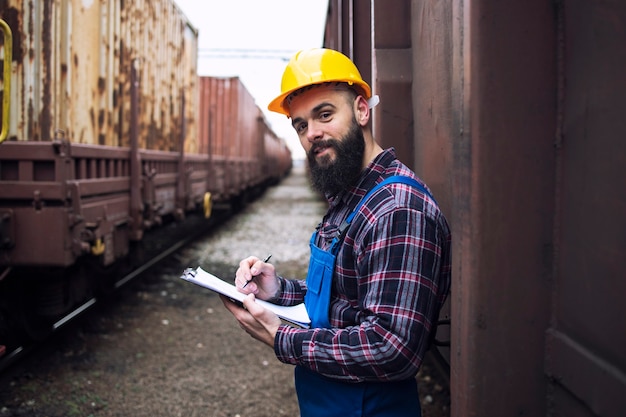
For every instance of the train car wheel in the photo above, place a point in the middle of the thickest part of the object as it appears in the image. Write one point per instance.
(35, 327)
(10, 334)
(37, 303)
(30, 322)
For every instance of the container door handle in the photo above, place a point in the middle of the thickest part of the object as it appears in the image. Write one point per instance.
(6, 78)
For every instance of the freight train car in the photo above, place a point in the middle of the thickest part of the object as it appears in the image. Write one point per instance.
(103, 149)
(229, 118)
(513, 113)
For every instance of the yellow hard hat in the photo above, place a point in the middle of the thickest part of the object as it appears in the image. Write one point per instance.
(317, 66)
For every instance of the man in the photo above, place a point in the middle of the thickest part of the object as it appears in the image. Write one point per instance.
(377, 277)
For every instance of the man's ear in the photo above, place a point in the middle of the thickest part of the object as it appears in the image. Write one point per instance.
(361, 110)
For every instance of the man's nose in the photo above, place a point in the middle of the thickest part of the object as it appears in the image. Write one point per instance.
(314, 132)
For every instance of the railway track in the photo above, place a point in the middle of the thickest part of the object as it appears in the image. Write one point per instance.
(163, 244)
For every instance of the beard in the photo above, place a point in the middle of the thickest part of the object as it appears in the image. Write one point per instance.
(331, 176)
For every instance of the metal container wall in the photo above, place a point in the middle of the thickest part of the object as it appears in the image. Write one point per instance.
(231, 132)
(244, 141)
(277, 159)
(213, 132)
(211, 112)
(588, 319)
(71, 72)
(512, 112)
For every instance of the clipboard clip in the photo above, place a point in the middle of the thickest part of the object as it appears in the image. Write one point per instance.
(188, 274)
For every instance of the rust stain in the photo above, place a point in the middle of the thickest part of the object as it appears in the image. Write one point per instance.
(101, 117)
(31, 129)
(92, 117)
(101, 85)
(12, 16)
(45, 121)
(93, 104)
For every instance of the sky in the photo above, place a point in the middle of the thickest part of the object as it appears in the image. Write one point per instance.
(254, 39)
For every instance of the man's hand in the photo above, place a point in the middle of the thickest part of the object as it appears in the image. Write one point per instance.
(257, 321)
(260, 277)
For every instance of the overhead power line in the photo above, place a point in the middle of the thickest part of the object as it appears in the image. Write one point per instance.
(232, 53)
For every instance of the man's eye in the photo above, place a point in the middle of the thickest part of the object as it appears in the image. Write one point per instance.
(325, 115)
(300, 127)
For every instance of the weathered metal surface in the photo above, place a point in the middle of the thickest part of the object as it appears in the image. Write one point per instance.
(276, 161)
(233, 131)
(74, 195)
(103, 145)
(588, 323)
(71, 71)
(504, 165)
(512, 112)
(211, 136)
(156, 32)
(207, 130)
(79, 196)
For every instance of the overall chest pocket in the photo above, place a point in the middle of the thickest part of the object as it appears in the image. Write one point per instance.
(319, 281)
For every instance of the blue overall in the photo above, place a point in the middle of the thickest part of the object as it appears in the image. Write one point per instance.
(322, 396)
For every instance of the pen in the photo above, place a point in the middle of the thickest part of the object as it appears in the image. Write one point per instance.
(267, 258)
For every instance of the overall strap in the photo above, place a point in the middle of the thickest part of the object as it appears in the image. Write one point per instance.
(393, 179)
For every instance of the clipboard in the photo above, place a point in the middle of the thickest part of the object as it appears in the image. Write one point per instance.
(296, 315)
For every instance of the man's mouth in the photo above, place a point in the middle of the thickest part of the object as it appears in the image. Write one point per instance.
(321, 149)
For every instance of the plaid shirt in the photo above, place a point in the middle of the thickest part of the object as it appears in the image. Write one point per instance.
(391, 277)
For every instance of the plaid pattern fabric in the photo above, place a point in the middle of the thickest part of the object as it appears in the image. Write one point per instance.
(391, 278)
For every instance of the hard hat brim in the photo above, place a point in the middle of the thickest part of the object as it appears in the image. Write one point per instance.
(278, 104)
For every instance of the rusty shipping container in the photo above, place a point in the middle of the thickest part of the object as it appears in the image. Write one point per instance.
(513, 113)
(231, 131)
(103, 95)
(71, 72)
(277, 160)
(103, 151)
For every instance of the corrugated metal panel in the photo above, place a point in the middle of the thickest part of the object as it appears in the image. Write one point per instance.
(156, 32)
(231, 132)
(514, 112)
(71, 72)
(206, 116)
(588, 320)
